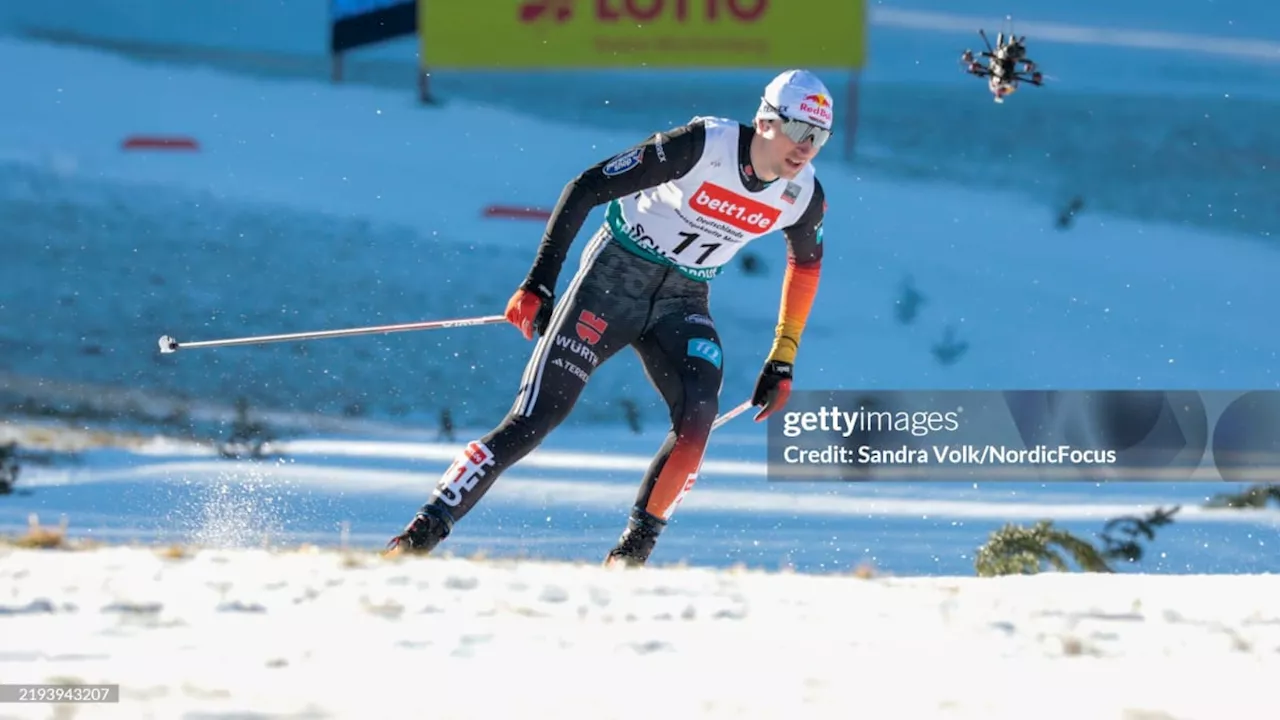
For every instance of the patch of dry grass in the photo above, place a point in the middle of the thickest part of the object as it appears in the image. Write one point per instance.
(865, 571)
(41, 537)
(176, 552)
(66, 439)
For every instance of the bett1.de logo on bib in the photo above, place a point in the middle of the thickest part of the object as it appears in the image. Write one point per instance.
(731, 208)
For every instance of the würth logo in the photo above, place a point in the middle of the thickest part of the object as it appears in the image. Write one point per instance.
(725, 205)
(590, 327)
(559, 10)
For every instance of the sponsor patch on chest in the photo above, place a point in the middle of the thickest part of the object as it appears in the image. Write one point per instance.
(743, 213)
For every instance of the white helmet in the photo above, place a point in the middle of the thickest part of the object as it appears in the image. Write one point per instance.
(798, 95)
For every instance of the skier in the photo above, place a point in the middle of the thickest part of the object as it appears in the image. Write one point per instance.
(681, 204)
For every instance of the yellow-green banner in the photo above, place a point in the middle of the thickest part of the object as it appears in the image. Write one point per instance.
(544, 34)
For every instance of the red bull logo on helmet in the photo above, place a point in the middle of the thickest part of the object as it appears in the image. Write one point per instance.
(817, 108)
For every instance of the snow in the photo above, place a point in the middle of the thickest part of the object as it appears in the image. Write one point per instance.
(251, 633)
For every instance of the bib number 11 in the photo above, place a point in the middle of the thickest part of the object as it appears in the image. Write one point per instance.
(687, 242)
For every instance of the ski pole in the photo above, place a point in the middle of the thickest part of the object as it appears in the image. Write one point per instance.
(731, 414)
(168, 344)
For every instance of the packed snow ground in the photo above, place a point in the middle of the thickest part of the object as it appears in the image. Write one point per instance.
(223, 634)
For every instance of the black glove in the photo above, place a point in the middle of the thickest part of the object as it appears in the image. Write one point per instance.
(547, 295)
(772, 388)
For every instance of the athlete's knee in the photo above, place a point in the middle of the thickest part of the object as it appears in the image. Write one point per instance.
(538, 421)
(697, 413)
(519, 434)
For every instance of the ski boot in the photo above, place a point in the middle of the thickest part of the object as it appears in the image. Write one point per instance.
(431, 525)
(637, 541)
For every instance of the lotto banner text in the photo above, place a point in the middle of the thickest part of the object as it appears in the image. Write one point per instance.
(1027, 436)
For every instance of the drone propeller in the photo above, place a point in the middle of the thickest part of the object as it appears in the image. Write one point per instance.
(983, 34)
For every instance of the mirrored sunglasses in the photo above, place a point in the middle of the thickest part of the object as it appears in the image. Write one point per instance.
(799, 131)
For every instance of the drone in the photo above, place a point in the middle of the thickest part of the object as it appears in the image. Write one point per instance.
(1007, 65)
